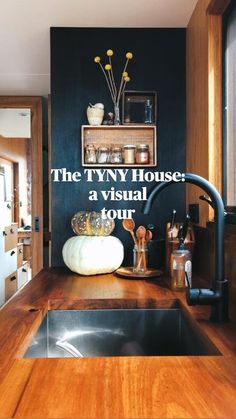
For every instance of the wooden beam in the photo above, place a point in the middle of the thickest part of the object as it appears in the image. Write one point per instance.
(215, 101)
(197, 104)
(49, 179)
(204, 98)
(217, 7)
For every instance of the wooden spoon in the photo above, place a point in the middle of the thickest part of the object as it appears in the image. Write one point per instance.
(141, 234)
(129, 225)
(148, 236)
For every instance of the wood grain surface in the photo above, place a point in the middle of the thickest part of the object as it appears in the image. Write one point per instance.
(218, 7)
(128, 272)
(204, 99)
(197, 102)
(117, 136)
(129, 388)
(115, 387)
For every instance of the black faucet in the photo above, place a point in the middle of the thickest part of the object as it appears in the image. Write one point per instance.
(217, 296)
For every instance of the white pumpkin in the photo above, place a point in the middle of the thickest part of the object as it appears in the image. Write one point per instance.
(91, 255)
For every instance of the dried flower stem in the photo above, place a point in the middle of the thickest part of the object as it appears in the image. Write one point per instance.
(115, 91)
(112, 77)
(121, 91)
(122, 79)
(112, 86)
(107, 81)
(121, 86)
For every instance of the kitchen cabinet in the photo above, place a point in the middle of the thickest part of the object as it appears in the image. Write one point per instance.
(15, 268)
(8, 240)
(19, 255)
(22, 275)
(112, 136)
(10, 236)
(25, 239)
(10, 286)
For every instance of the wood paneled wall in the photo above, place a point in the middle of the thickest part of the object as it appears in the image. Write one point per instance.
(204, 103)
(76, 81)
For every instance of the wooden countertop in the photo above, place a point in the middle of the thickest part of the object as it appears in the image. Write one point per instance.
(116, 387)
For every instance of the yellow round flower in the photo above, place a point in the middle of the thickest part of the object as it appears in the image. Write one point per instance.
(125, 74)
(129, 55)
(110, 52)
(97, 59)
(107, 67)
(127, 79)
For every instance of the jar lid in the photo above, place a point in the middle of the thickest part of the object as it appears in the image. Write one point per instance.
(142, 146)
(129, 146)
(116, 149)
(103, 148)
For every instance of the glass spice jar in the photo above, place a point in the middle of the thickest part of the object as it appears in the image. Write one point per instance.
(90, 154)
(116, 155)
(103, 155)
(142, 154)
(129, 153)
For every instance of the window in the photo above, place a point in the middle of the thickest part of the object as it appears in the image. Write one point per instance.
(230, 108)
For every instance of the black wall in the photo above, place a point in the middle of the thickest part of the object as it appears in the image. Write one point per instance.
(158, 65)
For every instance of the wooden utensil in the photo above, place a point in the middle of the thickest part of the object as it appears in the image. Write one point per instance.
(148, 236)
(172, 230)
(141, 234)
(129, 225)
(172, 223)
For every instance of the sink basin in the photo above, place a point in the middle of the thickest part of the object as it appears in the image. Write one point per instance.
(126, 332)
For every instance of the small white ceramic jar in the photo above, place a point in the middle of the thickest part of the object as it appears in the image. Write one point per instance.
(95, 115)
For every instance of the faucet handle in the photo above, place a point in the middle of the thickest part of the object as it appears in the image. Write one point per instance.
(209, 201)
(206, 199)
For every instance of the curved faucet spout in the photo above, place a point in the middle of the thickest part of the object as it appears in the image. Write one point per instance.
(218, 295)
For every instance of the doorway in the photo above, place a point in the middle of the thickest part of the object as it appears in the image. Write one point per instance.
(21, 180)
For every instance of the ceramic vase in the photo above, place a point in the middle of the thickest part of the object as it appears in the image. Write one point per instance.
(95, 116)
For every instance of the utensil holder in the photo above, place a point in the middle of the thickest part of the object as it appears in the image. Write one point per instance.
(140, 258)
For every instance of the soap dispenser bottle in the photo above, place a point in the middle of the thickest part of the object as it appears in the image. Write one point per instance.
(181, 261)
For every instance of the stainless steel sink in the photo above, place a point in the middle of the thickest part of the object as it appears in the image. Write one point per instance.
(139, 332)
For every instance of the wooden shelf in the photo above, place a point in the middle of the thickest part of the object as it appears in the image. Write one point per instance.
(117, 136)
